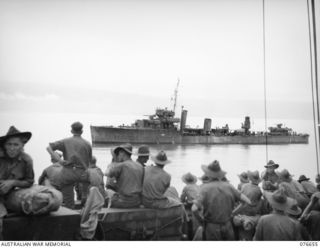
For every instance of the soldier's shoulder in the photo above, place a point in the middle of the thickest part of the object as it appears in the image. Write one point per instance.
(26, 157)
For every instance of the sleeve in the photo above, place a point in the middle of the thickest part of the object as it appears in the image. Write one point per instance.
(58, 145)
(26, 178)
(90, 151)
(236, 193)
(169, 181)
(29, 178)
(115, 171)
(109, 167)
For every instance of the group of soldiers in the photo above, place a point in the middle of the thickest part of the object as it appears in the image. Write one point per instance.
(280, 209)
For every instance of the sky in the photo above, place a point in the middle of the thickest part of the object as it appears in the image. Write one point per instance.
(125, 57)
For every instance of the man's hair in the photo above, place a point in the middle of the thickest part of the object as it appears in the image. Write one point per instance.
(76, 127)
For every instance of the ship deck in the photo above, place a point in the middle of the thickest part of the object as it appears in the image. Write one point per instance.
(114, 224)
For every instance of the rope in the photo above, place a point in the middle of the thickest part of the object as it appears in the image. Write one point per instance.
(264, 77)
(314, 75)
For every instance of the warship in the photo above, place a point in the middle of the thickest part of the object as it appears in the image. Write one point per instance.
(164, 128)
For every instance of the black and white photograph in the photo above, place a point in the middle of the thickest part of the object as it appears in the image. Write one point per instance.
(150, 120)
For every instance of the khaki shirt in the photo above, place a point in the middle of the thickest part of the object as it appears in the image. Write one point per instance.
(129, 177)
(217, 199)
(76, 150)
(156, 182)
(51, 173)
(309, 187)
(272, 177)
(277, 226)
(190, 193)
(20, 168)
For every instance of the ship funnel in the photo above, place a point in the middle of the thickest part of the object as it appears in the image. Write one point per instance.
(246, 126)
(183, 120)
(207, 126)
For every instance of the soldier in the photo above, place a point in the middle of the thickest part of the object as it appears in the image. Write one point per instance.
(216, 201)
(155, 184)
(243, 179)
(16, 166)
(277, 225)
(77, 152)
(51, 175)
(143, 155)
(129, 176)
(270, 179)
(308, 186)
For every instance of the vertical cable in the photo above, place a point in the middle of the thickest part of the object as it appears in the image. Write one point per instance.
(314, 74)
(312, 83)
(264, 78)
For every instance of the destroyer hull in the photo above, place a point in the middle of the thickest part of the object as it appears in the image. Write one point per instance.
(109, 135)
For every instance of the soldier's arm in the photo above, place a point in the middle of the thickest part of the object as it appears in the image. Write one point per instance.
(53, 154)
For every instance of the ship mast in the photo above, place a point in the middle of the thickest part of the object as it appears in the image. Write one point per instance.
(175, 96)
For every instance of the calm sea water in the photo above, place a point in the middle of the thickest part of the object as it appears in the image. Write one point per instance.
(298, 159)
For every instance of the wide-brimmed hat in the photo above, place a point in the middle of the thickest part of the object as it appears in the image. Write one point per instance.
(278, 200)
(161, 158)
(143, 151)
(76, 127)
(271, 164)
(14, 132)
(126, 147)
(303, 178)
(213, 170)
(285, 175)
(189, 178)
(244, 177)
(254, 177)
(294, 209)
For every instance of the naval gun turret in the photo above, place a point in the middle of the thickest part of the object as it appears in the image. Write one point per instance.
(279, 130)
